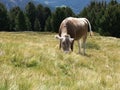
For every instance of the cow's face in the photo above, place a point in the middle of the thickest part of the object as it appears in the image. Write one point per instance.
(65, 42)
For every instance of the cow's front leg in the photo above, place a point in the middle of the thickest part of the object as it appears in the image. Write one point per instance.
(79, 46)
(72, 45)
(60, 45)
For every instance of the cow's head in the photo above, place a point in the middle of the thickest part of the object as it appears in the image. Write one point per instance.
(65, 42)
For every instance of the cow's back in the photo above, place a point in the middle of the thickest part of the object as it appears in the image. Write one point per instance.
(75, 27)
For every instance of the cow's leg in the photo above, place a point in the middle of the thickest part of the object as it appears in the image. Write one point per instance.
(72, 45)
(84, 45)
(79, 46)
(60, 45)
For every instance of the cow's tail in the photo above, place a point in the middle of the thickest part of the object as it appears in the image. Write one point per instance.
(89, 26)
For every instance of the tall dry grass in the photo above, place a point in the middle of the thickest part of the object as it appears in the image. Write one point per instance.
(32, 61)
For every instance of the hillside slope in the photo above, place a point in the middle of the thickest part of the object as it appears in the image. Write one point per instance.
(75, 5)
(32, 61)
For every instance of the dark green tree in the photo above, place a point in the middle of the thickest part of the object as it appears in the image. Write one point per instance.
(31, 13)
(68, 12)
(84, 13)
(28, 24)
(37, 26)
(112, 2)
(94, 12)
(110, 21)
(40, 15)
(20, 22)
(48, 24)
(4, 20)
(59, 15)
(47, 13)
(12, 16)
(104, 17)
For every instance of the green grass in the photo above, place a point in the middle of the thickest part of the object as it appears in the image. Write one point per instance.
(33, 61)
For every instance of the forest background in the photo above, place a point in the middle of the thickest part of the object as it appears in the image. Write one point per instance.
(104, 17)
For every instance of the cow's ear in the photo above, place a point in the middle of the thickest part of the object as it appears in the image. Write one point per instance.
(71, 39)
(58, 37)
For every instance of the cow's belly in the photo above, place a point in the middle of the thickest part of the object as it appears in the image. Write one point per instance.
(77, 34)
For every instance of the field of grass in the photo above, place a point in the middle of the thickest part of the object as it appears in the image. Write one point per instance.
(33, 61)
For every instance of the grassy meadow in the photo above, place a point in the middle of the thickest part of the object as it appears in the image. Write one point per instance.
(33, 61)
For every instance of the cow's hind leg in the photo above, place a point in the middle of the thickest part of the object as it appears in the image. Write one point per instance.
(84, 45)
(79, 46)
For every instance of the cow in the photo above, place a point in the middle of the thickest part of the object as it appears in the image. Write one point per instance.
(72, 29)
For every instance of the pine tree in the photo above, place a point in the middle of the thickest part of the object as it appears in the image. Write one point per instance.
(40, 15)
(59, 15)
(12, 16)
(28, 24)
(20, 22)
(57, 18)
(110, 23)
(48, 25)
(68, 11)
(83, 13)
(4, 20)
(37, 26)
(94, 13)
(47, 13)
(31, 13)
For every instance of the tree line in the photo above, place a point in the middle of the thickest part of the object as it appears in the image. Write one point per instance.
(33, 18)
(104, 17)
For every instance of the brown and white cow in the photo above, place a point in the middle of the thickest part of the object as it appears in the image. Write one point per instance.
(73, 29)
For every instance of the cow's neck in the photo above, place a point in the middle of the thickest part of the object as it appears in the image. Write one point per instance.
(64, 31)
